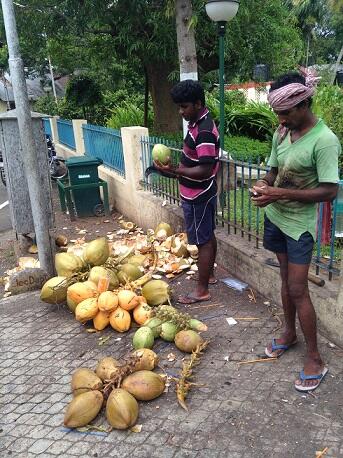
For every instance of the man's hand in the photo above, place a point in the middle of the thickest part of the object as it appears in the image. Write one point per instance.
(166, 168)
(265, 194)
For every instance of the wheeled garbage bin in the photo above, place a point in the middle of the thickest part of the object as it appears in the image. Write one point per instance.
(84, 171)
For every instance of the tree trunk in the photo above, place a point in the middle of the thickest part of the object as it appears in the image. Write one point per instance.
(166, 116)
(338, 61)
(186, 40)
(185, 44)
(146, 97)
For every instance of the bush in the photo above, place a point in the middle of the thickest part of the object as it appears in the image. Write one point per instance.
(254, 120)
(128, 114)
(328, 104)
(247, 149)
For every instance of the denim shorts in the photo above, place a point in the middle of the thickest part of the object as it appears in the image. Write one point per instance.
(298, 251)
(200, 220)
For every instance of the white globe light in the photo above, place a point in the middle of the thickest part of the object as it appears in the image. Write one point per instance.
(222, 10)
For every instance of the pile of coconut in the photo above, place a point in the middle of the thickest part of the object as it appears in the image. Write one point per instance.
(116, 283)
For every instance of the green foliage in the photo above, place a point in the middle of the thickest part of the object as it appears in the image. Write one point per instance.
(254, 120)
(232, 100)
(328, 104)
(127, 114)
(247, 149)
(83, 92)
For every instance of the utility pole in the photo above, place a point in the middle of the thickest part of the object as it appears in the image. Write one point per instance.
(31, 166)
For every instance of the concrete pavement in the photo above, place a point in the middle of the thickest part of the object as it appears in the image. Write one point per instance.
(245, 411)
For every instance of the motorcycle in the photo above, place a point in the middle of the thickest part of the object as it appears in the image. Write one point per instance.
(57, 166)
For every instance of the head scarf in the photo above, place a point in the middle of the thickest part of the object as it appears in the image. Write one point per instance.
(289, 96)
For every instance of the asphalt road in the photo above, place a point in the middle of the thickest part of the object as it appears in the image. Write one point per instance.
(5, 220)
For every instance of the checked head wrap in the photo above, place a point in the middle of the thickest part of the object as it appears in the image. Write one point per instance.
(289, 96)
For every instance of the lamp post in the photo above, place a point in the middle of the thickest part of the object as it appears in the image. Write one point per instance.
(221, 12)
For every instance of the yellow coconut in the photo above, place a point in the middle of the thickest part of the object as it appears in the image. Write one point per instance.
(67, 264)
(101, 320)
(83, 409)
(78, 292)
(54, 291)
(107, 301)
(86, 310)
(144, 385)
(107, 368)
(156, 292)
(98, 272)
(83, 379)
(128, 273)
(96, 252)
(127, 299)
(120, 320)
(148, 359)
(121, 409)
(142, 313)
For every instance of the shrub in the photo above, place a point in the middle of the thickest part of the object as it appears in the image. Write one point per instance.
(128, 114)
(328, 104)
(254, 120)
(245, 149)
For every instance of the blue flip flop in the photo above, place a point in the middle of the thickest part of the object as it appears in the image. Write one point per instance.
(303, 377)
(275, 347)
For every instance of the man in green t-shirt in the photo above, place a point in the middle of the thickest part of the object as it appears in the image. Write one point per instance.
(304, 171)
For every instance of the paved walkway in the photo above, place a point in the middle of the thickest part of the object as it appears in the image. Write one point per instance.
(252, 411)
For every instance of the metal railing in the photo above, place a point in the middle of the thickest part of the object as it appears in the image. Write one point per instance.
(105, 144)
(47, 126)
(66, 133)
(235, 210)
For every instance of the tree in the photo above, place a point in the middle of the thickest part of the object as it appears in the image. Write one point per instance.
(97, 36)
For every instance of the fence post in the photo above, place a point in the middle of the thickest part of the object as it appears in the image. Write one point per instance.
(54, 130)
(132, 151)
(78, 135)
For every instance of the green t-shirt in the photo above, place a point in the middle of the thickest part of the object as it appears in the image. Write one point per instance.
(310, 160)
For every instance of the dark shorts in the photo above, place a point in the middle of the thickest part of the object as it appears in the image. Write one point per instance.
(200, 220)
(298, 251)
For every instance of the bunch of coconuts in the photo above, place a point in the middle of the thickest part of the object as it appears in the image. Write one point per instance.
(122, 409)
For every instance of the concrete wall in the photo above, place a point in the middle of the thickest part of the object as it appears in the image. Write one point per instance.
(235, 253)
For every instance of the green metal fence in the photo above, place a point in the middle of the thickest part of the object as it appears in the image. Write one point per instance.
(235, 210)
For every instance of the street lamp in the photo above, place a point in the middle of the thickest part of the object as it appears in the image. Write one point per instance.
(221, 12)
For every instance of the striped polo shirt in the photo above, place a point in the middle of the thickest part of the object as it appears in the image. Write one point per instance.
(201, 146)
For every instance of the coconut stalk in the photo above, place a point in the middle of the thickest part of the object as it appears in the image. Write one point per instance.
(184, 383)
(122, 372)
(78, 277)
(182, 320)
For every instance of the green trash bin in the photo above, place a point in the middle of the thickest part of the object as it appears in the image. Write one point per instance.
(84, 171)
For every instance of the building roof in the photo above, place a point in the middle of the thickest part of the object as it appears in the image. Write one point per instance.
(35, 88)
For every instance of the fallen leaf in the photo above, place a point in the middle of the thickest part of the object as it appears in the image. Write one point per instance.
(136, 429)
(91, 330)
(226, 358)
(106, 221)
(33, 249)
(164, 203)
(171, 357)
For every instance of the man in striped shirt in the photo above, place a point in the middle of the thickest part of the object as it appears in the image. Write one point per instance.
(197, 180)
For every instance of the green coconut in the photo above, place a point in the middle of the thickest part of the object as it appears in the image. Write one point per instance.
(129, 272)
(161, 153)
(168, 331)
(99, 271)
(143, 338)
(54, 291)
(67, 264)
(155, 324)
(156, 292)
(96, 252)
(136, 260)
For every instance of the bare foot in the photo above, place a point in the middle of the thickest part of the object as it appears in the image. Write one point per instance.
(314, 365)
